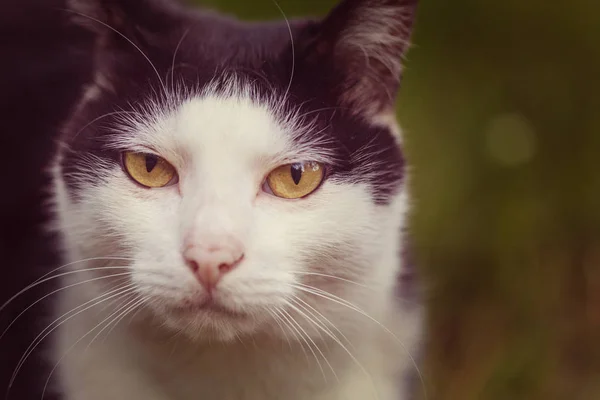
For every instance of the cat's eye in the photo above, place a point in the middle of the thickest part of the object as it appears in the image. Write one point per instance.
(149, 170)
(293, 181)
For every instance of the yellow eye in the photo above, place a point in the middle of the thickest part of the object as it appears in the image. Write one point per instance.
(148, 170)
(293, 181)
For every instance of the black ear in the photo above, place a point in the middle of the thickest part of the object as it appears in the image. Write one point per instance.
(113, 20)
(361, 43)
(126, 34)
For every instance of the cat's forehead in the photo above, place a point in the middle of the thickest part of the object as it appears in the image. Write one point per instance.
(229, 121)
(233, 122)
(210, 127)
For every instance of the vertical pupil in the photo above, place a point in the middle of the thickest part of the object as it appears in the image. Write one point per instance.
(297, 173)
(151, 162)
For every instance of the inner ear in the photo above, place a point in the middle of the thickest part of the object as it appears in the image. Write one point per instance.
(360, 44)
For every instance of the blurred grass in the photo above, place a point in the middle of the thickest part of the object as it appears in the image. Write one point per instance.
(501, 113)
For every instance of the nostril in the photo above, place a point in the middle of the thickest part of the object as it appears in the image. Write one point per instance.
(225, 267)
(193, 265)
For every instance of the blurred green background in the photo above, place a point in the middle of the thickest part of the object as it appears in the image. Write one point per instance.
(501, 114)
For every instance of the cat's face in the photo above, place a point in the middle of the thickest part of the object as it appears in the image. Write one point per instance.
(243, 184)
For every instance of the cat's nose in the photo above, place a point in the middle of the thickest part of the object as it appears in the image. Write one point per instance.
(210, 263)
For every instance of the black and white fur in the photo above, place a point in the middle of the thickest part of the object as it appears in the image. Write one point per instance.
(310, 312)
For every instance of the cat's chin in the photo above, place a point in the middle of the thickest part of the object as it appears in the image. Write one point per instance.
(208, 309)
(207, 321)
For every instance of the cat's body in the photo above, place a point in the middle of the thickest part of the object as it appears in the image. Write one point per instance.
(234, 201)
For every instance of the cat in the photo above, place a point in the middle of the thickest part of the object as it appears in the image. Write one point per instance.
(231, 198)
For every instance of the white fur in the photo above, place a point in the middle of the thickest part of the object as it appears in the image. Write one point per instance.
(223, 146)
(388, 120)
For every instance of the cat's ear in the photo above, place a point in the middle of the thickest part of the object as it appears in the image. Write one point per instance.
(114, 20)
(361, 44)
(125, 32)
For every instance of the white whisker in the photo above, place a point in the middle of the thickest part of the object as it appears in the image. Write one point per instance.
(326, 295)
(362, 368)
(315, 311)
(85, 260)
(56, 291)
(317, 325)
(127, 39)
(101, 117)
(294, 331)
(122, 310)
(134, 313)
(317, 111)
(42, 280)
(39, 282)
(113, 301)
(339, 278)
(46, 331)
(185, 33)
(304, 337)
(287, 90)
(277, 319)
(130, 311)
(119, 310)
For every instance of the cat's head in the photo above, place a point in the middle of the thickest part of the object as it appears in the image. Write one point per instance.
(243, 173)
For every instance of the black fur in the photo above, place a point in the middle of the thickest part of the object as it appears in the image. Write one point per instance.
(214, 46)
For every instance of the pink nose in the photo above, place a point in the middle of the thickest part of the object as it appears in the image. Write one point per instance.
(210, 263)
